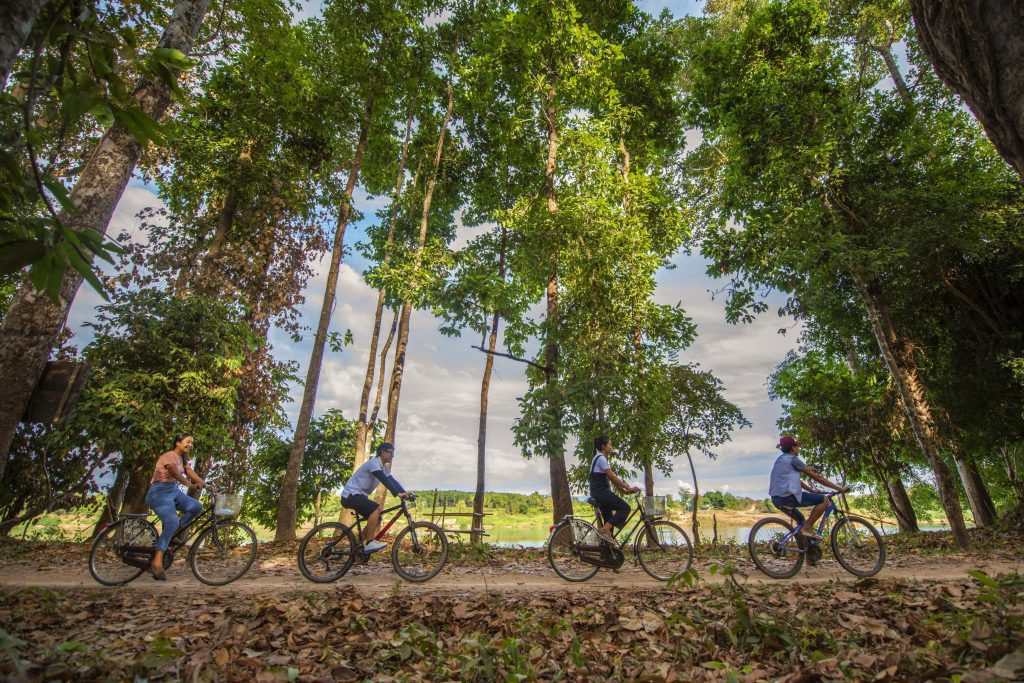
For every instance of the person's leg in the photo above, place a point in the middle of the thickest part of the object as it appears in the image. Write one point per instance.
(188, 505)
(161, 499)
(372, 523)
(820, 503)
(621, 509)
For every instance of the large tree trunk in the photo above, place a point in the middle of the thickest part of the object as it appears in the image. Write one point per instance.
(20, 16)
(982, 507)
(287, 511)
(33, 321)
(977, 48)
(648, 479)
(481, 440)
(362, 426)
(134, 499)
(899, 501)
(899, 359)
(560, 495)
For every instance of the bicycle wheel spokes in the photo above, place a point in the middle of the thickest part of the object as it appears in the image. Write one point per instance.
(326, 552)
(223, 552)
(106, 560)
(663, 549)
(567, 543)
(773, 550)
(420, 558)
(858, 546)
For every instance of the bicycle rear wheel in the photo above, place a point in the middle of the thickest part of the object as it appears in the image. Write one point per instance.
(420, 558)
(106, 559)
(571, 539)
(326, 552)
(774, 554)
(663, 549)
(858, 546)
(223, 552)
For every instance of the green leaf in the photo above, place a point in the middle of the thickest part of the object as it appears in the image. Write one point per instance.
(173, 58)
(17, 254)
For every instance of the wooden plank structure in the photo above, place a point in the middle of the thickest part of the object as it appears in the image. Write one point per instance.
(57, 392)
(435, 516)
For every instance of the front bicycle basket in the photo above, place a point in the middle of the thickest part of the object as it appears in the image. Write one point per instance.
(654, 506)
(227, 504)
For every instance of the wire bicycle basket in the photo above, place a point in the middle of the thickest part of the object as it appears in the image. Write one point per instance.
(227, 504)
(654, 506)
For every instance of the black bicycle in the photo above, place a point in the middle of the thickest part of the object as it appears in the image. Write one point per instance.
(779, 549)
(662, 549)
(223, 549)
(418, 553)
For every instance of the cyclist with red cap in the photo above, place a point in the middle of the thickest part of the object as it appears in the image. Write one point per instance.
(789, 492)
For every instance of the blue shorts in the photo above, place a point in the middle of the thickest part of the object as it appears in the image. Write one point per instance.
(789, 504)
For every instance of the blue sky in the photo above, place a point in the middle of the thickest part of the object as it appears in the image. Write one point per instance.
(439, 413)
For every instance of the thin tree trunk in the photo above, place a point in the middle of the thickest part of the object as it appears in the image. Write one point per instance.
(982, 507)
(109, 512)
(20, 16)
(894, 72)
(364, 399)
(899, 359)
(225, 221)
(899, 501)
(648, 479)
(481, 441)
(287, 511)
(694, 524)
(33, 321)
(561, 497)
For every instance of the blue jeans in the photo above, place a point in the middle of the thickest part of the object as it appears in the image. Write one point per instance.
(166, 499)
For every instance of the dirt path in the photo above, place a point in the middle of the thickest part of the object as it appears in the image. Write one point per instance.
(279, 575)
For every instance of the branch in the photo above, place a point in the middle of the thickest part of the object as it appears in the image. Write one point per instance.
(511, 357)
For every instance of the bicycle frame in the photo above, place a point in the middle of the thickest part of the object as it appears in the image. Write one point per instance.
(822, 525)
(639, 508)
(402, 511)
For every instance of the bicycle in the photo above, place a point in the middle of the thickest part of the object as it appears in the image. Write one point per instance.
(222, 552)
(576, 552)
(418, 554)
(778, 549)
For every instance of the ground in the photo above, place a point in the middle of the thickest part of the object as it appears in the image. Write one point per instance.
(503, 615)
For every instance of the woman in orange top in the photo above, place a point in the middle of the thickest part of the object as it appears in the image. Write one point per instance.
(166, 498)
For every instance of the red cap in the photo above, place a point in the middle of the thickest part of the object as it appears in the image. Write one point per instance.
(788, 442)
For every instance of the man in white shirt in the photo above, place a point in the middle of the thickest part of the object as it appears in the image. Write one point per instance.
(362, 484)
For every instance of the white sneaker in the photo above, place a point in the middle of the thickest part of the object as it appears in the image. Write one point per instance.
(374, 546)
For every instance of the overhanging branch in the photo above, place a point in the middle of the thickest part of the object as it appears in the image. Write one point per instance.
(511, 357)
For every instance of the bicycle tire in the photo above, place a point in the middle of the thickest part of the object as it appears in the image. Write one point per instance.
(754, 540)
(433, 551)
(306, 566)
(849, 521)
(673, 545)
(136, 532)
(578, 531)
(226, 538)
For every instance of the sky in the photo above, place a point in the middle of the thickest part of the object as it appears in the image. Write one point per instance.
(436, 440)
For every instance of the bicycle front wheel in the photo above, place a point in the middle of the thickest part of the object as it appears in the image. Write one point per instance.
(858, 546)
(114, 544)
(223, 552)
(774, 550)
(569, 542)
(326, 552)
(419, 552)
(663, 549)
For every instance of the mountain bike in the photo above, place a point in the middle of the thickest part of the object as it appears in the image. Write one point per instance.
(778, 549)
(418, 554)
(223, 549)
(576, 552)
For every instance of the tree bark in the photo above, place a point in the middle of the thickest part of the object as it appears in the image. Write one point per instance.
(648, 479)
(225, 221)
(899, 501)
(364, 400)
(20, 16)
(899, 359)
(481, 440)
(33, 321)
(977, 48)
(287, 512)
(694, 524)
(894, 72)
(560, 495)
(982, 507)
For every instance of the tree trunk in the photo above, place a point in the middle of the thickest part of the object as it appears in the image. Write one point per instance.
(225, 221)
(14, 30)
(364, 400)
(134, 499)
(287, 511)
(113, 505)
(901, 506)
(694, 524)
(560, 495)
(648, 479)
(397, 372)
(899, 359)
(481, 441)
(894, 72)
(33, 321)
(977, 48)
(982, 507)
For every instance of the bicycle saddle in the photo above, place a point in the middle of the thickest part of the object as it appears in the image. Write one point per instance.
(592, 501)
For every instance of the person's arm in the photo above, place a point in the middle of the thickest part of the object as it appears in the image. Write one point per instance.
(199, 481)
(390, 483)
(176, 473)
(619, 484)
(821, 480)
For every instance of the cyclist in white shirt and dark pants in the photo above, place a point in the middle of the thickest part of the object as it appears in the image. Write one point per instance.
(614, 510)
(362, 484)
